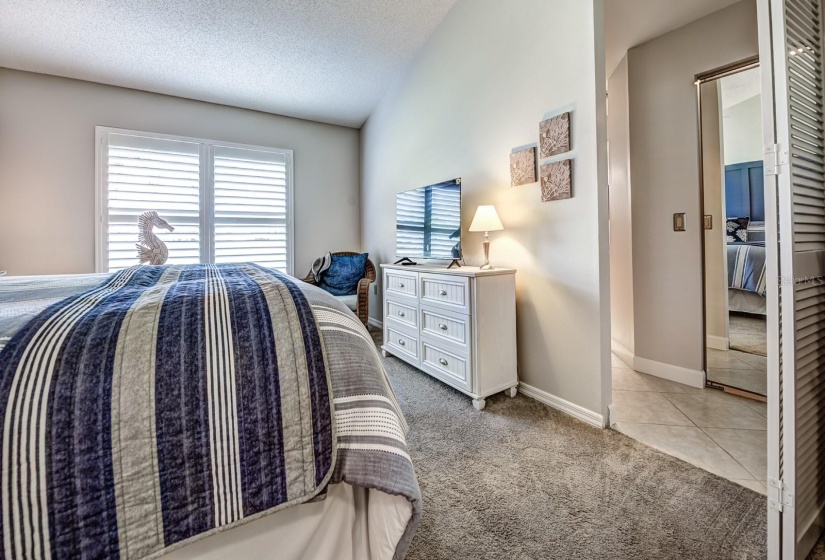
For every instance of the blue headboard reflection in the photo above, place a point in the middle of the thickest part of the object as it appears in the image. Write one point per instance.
(745, 191)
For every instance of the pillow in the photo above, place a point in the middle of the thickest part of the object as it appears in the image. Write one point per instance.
(343, 274)
(756, 231)
(737, 230)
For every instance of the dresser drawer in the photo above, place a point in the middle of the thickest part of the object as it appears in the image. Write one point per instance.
(445, 365)
(401, 283)
(403, 312)
(399, 342)
(450, 292)
(450, 327)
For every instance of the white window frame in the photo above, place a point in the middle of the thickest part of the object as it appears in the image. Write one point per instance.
(207, 226)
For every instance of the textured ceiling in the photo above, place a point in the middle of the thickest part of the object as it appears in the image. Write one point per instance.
(740, 87)
(629, 23)
(324, 60)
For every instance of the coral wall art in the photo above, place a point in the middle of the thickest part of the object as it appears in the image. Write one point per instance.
(523, 167)
(555, 181)
(554, 136)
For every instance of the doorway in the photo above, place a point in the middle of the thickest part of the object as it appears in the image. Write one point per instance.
(733, 209)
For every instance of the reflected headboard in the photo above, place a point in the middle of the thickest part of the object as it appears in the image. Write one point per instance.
(745, 191)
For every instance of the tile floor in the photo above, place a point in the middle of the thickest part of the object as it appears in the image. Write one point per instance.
(716, 431)
(738, 369)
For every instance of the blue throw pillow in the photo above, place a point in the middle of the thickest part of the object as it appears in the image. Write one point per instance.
(737, 230)
(343, 274)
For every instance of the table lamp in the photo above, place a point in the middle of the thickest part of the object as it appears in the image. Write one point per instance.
(486, 220)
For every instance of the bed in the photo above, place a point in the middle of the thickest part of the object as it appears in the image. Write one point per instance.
(199, 411)
(747, 273)
(745, 196)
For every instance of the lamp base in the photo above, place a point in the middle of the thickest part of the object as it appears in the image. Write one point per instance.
(486, 265)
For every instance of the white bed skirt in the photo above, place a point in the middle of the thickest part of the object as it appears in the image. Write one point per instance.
(352, 523)
(746, 302)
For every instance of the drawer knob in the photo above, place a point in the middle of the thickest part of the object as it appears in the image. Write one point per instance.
(443, 292)
(401, 313)
(442, 326)
(442, 361)
(401, 284)
(401, 342)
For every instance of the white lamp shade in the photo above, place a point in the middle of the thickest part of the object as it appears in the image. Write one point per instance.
(486, 219)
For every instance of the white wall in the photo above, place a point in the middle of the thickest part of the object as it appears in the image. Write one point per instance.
(621, 234)
(47, 166)
(667, 267)
(478, 89)
(742, 131)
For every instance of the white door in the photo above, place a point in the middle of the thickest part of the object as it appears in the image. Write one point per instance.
(791, 52)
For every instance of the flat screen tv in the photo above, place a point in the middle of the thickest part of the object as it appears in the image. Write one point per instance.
(428, 222)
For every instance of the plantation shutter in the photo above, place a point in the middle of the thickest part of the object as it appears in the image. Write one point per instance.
(446, 219)
(797, 64)
(227, 203)
(410, 223)
(143, 173)
(250, 200)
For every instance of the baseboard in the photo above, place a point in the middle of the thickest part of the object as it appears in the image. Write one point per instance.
(717, 342)
(692, 377)
(621, 352)
(574, 410)
(373, 322)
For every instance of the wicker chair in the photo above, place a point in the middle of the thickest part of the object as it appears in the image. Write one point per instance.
(360, 302)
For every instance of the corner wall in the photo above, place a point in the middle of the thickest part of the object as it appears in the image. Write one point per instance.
(621, 233)
(664, 161)
(479, 88)
(47, 166)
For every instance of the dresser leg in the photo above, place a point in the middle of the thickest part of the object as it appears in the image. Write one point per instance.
(511, 392)
(479, 404)
(384, 353)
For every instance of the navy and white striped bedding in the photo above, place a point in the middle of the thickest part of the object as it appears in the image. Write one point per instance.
(168, 403)
(747, 267)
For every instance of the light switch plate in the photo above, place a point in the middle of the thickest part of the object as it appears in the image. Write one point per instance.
(679, 221)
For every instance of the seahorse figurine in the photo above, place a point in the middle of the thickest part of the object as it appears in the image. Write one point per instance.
(150, 248)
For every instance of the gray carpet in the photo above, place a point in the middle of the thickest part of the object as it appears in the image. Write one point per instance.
(748, 333)
(523, 481)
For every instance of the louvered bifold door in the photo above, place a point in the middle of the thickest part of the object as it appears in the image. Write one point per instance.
(252, 207)
(143, 173)
(798, 89)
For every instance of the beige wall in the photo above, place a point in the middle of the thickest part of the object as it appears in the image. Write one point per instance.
(667, 271)
(477, 90)
(47, 131)
(716, 280)
(621, 236)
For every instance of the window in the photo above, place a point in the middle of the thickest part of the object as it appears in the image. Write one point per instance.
(227, 202)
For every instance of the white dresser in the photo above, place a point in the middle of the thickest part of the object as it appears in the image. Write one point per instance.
(458, 325)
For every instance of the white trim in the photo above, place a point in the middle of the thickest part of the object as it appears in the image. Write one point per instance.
(621, 352)
(611, 414)
(373, 322)
(718, 342)
(691, 377)
(574, 410)
(206, 159)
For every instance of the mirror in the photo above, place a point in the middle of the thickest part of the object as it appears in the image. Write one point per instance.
(734, 247)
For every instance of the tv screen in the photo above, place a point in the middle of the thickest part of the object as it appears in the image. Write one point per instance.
(428, 221)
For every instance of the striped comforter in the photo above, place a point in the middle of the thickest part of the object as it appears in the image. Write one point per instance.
(159, 405)
(747, 267)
